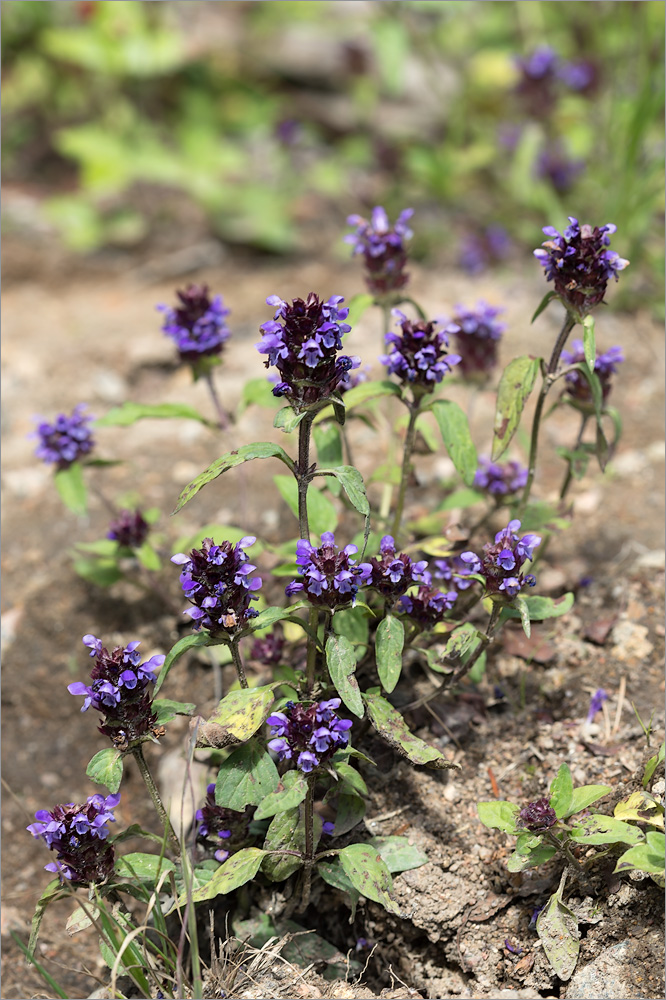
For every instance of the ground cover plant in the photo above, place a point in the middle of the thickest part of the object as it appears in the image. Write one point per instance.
(373, 590)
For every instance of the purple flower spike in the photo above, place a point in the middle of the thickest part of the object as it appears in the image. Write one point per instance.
(197, 325)
(577, 386)
(217, 580)
(502, 562)
(303, 340)
(66, 440)
(479, 250)
(419, 354)
(119, 689)
(330, 577)
(391, 574)
(216, 823)
(580, 265)
(500, 480)
(78, 834)
(427, 606)
(129, 529)
(537, 817)
(476, 338)
(383, 249)
(310, 736)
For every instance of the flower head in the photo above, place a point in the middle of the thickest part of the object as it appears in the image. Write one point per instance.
(308, 736)
(500, 479)
(479, 250)
(539, 82)
(268, 650)
(129, 529)
(197, 325)
(427, 606)
(78, 834)
(419, 354)
(537, 816)
(577, 386)
(476, 338)
(303, 340)
(330, 577)
(391, 574)
(579, 264)
(119, 690)
(383, 249)
(219, 830)
(66, 440)
(218, 580)
(502, 562)
(596, 703)
(554, 165)
(454, 571)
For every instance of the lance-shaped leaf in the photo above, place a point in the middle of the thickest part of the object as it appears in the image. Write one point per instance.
(341, 661)
(392, 727)
(328, 440)
(287, 419)
(545, 302)
(398, 854)
(293, 791)
(129, 413)
(353, 624)
(349, 776)
(201, 638)
(605, 830)
(246, 777)
(72, 489)
(561, 791)
(389, 643)
(370, 390)
(358, 304)
(353, 485)
(515, 386)
(652, 764)
(363, 866)
(147, 868)
(557, 927)
(106, 768)
(498, 815)
(647, 857)
(454, 428)
(236, 871)
(53, 891)
(584, 796)
(248, 452)
(167, 710)
(461, 641)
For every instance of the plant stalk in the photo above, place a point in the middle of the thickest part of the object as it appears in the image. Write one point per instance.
(238, 662)
(137, 753)
(414, 410)
(223, 417)
(302, 473)
(308, 819)
(569, 476)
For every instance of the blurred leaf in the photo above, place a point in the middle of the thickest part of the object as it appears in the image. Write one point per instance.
(246, 777)
(129, 413)
(454, 429)
(146, 868)
(370, 390)
(322, 515)
(513, 392)
(72, 488)
(176, 651)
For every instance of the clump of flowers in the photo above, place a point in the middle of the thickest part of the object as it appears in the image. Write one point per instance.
(500, 479)
(309, 736)
(537, 817)
(303, 340)
(476, 336)
(383, 249)
(479, 250)
(218, 580)
(216, 823)
(67, 439)
(502, 562)
(198, 325)
(390, 573)
(129, 529)
(577, 386)
(454, 571)
(419, 354)
(78, 835)
(329, 574)
(428, 605)
(119, 690)
(579, 264)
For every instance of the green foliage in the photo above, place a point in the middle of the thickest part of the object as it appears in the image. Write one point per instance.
(246, 453)
(106, 768)
(454, 429)
(72, 488)
(557, 927)
(514, 389)
(392, 727)
(389, 642)
(246, 777)
(341, 661)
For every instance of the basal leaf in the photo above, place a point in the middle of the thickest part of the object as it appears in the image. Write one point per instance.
(389, 643)
(499, 815)
(641, 807)
(457, 439)
(72, 488)
(532, 858)
(398, 854)
(129, 413)
(106, 768)
(557, 927)
(367, 872)
(584, 796)
(246, 453)
(392, 727)
(234, 872)
(651, 765)
(341, 661)
(647, 857)
(515, 386)
(293, 791)
(246, 777)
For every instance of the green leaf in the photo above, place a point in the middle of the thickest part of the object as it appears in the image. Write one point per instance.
(106, 768)
(101, 572)
(341, 662)
(398, 854)
(187, 642)
(350, 812)
(589, 345)
(53, 891)
(352, 483)
(72, 489)
(557, 927)
(605, 830)
(389, 643)
(148, 557)
(293, 791)
(457, 439)
(246, 453)
(333, 873)
(79, 920)
(461, 498)
(515, 386)
(147, 868)
(322, 515)
(462, 641)
(392, 727)
(584, 796)
(129, 413)
(236, 871)
(522, 609)
(370, 390)
(498, 815)
(358, 304)
(540, 608)
(532, 858)
(286, 833)
(246, 777)
(561, 792)
(540, 514)
(287, 420)
(350, 776)
(259, 391)
(328, 440)
(363, 866)
(353, 624)
(167, 710)
(241, 712)
(651, 765)
(545, 302)
(640, 807)
(269, 616)
(647, 857)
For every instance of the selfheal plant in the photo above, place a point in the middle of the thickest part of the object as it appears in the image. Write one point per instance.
(605, 365)
(197, 325)
(329, 574)
(500, 480)
(129, 529)
(218, 580)
(78, 834)
(391, 574)
(67, 439)
(308, 736)
(427, 606)
(383, 249)
(476, 338)
(502, 562)
(419, 354)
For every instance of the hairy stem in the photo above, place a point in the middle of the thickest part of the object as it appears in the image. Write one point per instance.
(137, 753)
(548, 379)
(308, 819)
(238, 662)
(414, 409)
(302, 473)
(311, 664)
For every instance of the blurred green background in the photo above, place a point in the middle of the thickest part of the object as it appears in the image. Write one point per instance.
(274, 120)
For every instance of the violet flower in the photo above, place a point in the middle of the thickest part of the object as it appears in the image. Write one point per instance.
(119, 690)
(268, 650)
(383, 249)
(391, 574)
(479, 250)
(330, 577)
(580, 265)
(500, 479)
(303, 340)
(129, 529)
(220, 830)
(218, 580)
(453, 571)
(502, 562)
(78, 834)
(308, 736)
(427, 606)
(596, 703)
(577, 386)
(554, 165)
(197, 325)
(66, 440)
(476, 337)
(418, 355)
